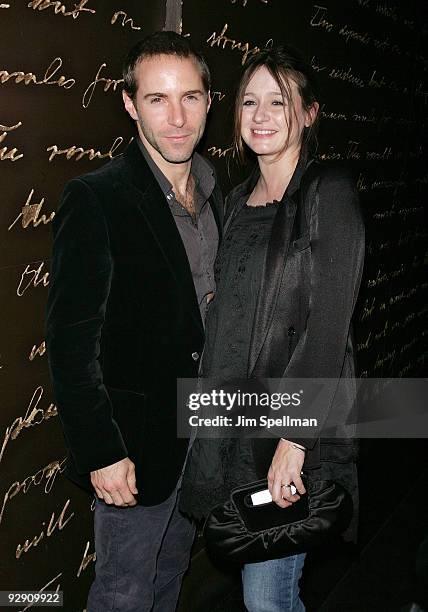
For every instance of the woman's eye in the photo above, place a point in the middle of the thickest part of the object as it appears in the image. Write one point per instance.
(278, 103)
(249, 102)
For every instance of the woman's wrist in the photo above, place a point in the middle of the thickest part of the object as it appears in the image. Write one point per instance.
(295, 445)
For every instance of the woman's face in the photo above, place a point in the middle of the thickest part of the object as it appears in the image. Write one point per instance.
(265, 116)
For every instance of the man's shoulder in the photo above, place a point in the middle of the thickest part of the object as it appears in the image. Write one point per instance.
(105, 174)
(101, 187)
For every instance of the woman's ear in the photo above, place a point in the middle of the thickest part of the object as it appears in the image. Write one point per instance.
(311, 114)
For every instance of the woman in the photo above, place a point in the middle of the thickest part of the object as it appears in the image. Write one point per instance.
(288, 274)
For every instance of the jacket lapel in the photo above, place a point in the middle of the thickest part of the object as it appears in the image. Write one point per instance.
(216, 202)
(275, 260)
(144, 190)
(272, 274)
(234, 201)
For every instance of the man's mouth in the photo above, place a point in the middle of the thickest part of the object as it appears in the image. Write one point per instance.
(177, 137)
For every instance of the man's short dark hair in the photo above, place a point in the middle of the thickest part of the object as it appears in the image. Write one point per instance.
(161, 43)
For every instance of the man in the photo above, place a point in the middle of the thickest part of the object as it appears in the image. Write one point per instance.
(132, 274)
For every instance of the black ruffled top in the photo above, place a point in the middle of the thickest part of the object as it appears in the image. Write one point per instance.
(216, 466)
(238, 271)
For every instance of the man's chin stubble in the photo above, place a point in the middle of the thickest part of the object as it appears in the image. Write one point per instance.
(181, 160)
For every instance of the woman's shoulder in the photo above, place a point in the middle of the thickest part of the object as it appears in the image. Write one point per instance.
(337, 191)
(234, 193)
(235, 197)
(244, 187)
(333, 174)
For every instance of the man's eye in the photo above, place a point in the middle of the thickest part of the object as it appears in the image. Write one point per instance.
(155, 100)
(192, 98)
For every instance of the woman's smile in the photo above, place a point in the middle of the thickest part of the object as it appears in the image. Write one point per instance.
(258, 133)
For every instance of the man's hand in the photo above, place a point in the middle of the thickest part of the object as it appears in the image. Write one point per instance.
(285, 469)
(116, 484)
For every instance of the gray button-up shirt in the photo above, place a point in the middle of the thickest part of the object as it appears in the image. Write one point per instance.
(199, 235)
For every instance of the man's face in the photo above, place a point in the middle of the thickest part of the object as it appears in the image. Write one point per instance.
(170, 107)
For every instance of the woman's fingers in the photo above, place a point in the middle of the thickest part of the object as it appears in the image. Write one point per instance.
(277, 495)
(298, 483)
(284, 471)
(288, 495)
(280, 488)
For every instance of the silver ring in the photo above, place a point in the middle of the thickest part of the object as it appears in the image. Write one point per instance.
(284, 485)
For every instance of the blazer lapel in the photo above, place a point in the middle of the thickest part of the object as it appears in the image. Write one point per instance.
(276, 257)
(143, 188)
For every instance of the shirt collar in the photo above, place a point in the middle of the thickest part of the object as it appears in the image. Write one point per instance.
(201, 170)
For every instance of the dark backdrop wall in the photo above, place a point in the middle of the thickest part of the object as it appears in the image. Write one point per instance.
(61, 115)
(368, 56)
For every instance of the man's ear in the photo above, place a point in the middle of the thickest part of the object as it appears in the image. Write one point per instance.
(209, 100)
(129, 105)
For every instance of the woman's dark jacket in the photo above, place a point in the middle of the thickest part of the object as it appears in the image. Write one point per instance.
(309, 287)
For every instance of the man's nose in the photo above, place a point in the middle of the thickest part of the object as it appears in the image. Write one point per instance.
(176, 115)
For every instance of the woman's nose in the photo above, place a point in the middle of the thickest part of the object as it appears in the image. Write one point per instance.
(260, 113)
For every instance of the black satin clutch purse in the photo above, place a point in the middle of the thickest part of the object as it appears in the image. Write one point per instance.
(239, 532)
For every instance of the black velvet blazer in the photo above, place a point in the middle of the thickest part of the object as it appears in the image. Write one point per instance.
(310, 283)
(123, 324)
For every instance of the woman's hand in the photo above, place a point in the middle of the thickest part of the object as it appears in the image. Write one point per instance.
(285, 469)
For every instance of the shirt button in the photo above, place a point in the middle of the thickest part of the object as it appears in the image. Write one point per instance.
(195, 356)
(291, 331)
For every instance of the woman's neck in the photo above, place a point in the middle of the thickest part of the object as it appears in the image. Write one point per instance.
(275, 175)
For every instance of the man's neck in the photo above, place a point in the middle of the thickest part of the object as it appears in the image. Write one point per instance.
(177, 174)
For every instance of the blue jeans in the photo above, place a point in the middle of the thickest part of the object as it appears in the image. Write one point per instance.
(273, 586)
(142, 554)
